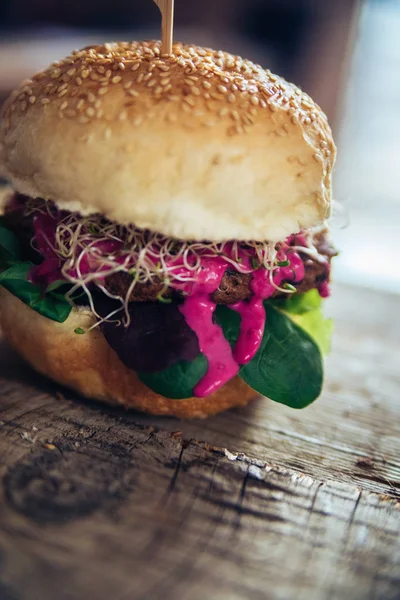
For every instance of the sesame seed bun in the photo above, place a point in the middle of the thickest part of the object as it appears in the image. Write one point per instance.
(197, 144)
(87, 364)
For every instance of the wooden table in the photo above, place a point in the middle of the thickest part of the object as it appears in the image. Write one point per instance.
(258, 503)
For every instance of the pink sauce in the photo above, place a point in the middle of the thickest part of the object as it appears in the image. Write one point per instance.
(198, 310)
(324, 289)
(45, 227)
(252, 312)
(45, 238)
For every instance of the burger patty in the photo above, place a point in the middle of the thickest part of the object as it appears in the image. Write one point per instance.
(234, 286)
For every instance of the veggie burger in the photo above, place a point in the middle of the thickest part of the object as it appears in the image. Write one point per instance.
(163, 240)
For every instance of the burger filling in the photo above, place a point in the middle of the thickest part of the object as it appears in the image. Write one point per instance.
(186, 315)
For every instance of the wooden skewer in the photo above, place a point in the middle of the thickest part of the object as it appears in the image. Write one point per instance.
(167, 24)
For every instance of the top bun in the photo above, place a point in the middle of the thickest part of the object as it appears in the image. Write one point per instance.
(198, 144)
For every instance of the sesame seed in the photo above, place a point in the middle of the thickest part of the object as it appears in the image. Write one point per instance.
(223, 112)
(108, 73)
(137, 121)
(307, 121)
(195, 90)
(55, 73)
(159, 90)
(189, 82)
(254, 100)
(24, 105)
(32, 99)
(62, 93)
(247, 119)
(151, 83)
(231, 98)
(70, 112)
(99, 113)
(102, 91)
(135, 66)
(64, 105)
(168, 88)
(163, 67)
(263, 104)
(44, 101)
(165, 81)
(222, 89)
(91, 97)
(101, 70)
(207, 85)
(78, 81)
(121, 66)
(172, 117)
(235, 115)
(83, 119)
(165, 74)
(133, 93)
(80, 103)
(116, 79)
(127, 85)
(85, 74)
(90, 112)
(140, 78)
(123, 115)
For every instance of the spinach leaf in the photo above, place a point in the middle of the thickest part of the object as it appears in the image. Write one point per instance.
(9, 246)
(229, 320)
(288, 366)
(54, 306)
(317, 327)
(176, 382)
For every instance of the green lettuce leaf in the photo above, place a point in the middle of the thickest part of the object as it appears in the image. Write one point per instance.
(306, 311)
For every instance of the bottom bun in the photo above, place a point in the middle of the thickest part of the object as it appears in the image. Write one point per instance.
(87, 364)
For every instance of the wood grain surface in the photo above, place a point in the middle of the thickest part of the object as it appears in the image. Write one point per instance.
(259, 503)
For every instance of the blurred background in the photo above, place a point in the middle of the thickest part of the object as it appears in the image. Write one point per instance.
(344, 53)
